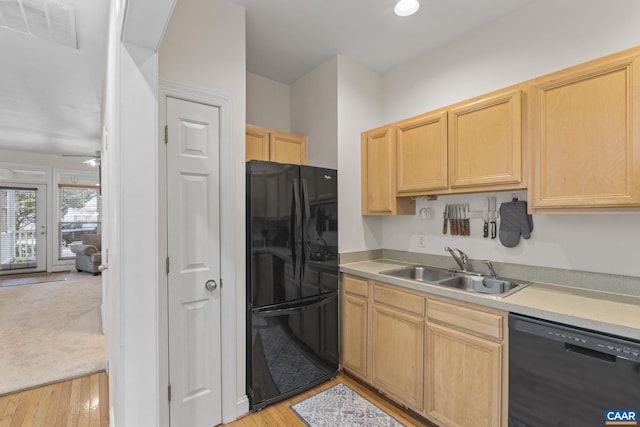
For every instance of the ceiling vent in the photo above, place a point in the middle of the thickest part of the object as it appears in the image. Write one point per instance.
(47, 20)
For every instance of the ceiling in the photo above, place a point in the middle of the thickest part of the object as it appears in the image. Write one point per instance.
(51, 95)
(286, 39)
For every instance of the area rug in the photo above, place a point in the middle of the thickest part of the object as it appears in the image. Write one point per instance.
(340, 406)
(50, 332)
(32, 278)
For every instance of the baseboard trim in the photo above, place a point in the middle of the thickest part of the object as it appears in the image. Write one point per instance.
(242, 406)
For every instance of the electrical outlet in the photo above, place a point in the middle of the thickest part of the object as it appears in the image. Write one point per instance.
(422, 241)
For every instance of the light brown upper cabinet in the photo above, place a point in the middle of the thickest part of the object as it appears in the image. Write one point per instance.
(485, 141)
(378, 156)
(421, 144)
(257, 143)
(471, 146)
(276, 146)
(586, 136)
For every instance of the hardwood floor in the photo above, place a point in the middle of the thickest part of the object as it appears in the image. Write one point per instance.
(79, 402)
(280, 414)
(84, 402)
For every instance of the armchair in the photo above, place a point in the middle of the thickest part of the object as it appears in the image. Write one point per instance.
(88, 254)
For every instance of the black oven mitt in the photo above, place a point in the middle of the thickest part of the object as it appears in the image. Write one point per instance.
(514, 222)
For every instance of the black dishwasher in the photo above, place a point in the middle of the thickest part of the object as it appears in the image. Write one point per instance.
(560, 375)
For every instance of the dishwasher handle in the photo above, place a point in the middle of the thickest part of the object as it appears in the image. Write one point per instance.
(595, 354)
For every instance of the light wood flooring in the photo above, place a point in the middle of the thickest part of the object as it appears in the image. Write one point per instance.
(280, 414)
(85, 401)
(79, 402)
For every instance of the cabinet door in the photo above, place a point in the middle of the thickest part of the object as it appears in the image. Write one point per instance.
(421, 144)
(378, 171)
(288, 148)
(586, 134)
(464, 380)
(378, 156)
(355, 330)
(257, 143)
(398, 355)
(485, 142)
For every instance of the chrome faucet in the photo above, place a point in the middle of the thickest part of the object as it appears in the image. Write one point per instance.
(461, 258)
(491, 270)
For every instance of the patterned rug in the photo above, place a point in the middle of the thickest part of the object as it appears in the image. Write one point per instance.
(30, 279)
(340, 406)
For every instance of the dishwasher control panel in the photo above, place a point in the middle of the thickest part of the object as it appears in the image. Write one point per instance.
(596, 341)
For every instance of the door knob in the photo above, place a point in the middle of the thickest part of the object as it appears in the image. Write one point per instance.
(102, 267)
(211, 285)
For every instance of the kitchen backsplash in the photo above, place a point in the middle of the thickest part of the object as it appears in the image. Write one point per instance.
(600, 243)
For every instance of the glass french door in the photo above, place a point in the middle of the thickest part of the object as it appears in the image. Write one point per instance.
(22, 228)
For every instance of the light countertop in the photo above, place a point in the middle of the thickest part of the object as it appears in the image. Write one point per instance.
(606, 312)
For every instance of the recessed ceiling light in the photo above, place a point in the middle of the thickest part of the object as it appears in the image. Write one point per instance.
(406, 7)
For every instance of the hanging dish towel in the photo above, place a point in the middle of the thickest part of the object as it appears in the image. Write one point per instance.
(514, 222)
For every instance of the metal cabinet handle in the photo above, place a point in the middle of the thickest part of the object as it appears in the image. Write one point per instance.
(211, 285)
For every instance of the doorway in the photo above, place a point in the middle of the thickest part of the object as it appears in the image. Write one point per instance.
(193, 262)
(230, 203)
(23, 228)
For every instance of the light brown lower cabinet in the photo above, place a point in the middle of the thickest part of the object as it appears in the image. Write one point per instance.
(354, 351)
(442, 358)
(463, 382)
(398, 354)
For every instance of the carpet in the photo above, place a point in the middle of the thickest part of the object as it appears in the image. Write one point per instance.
(340, 406)
(50, 332)
(32, 278)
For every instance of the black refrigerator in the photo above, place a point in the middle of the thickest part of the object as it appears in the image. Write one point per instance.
(292, 279)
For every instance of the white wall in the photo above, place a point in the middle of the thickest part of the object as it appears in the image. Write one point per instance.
(130, 192)
(543, 37)
(136, 245)
(359, 108)
(314, 113)
(204, 49)
(268, 103)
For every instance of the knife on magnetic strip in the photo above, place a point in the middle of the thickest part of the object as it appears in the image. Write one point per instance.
(445, 215)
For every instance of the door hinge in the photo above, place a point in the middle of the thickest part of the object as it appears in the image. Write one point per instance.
(169, 393)
(221, 283)
(167, 265)
(166, 134)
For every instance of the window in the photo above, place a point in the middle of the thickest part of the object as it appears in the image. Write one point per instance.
(79, 214)
(17, 228)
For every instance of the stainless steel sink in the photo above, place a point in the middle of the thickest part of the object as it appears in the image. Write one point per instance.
(482, 285)
(499, 287)
(420, 273)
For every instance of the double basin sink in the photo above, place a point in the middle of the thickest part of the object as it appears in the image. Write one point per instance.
(472, 282)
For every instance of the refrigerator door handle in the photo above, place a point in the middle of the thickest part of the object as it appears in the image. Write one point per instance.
(305, 197)
(297, 250)
(304, 307)
(305, 237)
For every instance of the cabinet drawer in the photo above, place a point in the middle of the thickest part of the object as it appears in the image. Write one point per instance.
(355, 285)
(482, 324)
(402, 300)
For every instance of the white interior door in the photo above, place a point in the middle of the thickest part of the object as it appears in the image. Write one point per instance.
(23, 230)
(194, 263)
